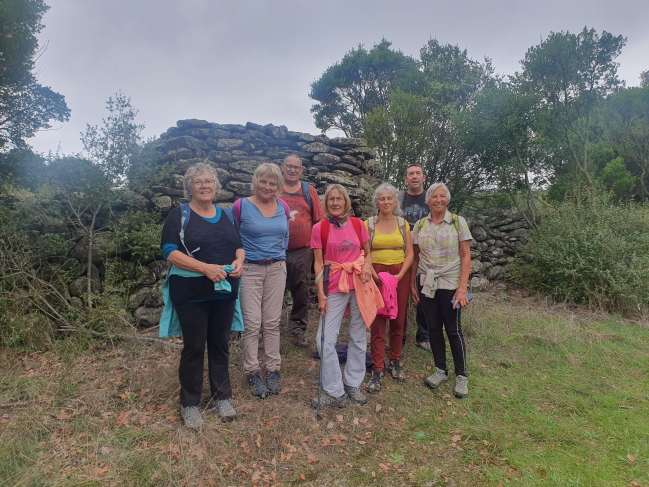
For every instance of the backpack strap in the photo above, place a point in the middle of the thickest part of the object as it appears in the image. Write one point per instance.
(237, 211)
(371, 222)
(402, 230)
(229, 213)
(325, 227)
(287, 210)
(456, 224)
(307, 196)
(185, 213)
(356, 222)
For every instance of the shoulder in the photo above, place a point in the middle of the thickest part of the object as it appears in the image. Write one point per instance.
(465, 233)
(407, 225)
(173, 217)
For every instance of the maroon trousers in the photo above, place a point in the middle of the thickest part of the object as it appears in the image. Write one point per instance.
(377, 343)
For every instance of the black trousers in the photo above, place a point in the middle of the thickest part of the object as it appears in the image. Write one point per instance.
(205, 322)
(441, 316)
(422, 326)
(298, 273)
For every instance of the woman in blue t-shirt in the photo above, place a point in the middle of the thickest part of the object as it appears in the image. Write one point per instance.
(199, 254)
(263, 225)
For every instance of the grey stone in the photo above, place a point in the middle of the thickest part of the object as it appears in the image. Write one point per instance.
(495, 233)
(351, 160)
(347, 143)
(486, 264)
(482, 246)
(136, 298)
(248, 166)
(234, 127)
(184, 142)
(364, 152)
(254, 126)
(162, 203)
(176, 155)
(275, 132)
(521, 232)
(182, 166)
(348, 168)
(220, 156)
(209, 133)
(501, 287)
(476, 266)
(244, 156)
(479, 283)
(241, 176)
(229, 144)
(155, 299)
(192, 122)
(76, 302)
(333, 178)
(225, 205)
(135, 201)
(223, 195)
(475, 253)
(101, 248)
(490, 242)
(513, 226)
(325, 159)
(147, 317)
(169, 191)
(239, 188)
(222, 175)
(500, 243)
(318, 147)
(177, 181)
(497, 252)
(79, 286)
(479, 234)
(143, 277)
(307, 137)
(159, 267)
(494, 272)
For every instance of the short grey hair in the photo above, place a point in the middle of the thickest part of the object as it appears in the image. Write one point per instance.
(195, 170)
(393, 191)
(293, 156)
(343, 191)
(269, 170)
(432, 189)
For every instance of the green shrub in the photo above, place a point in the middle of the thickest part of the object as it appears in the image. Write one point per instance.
(139, 232)
(595, 253)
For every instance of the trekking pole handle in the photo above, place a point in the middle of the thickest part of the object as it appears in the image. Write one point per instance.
(325, 278)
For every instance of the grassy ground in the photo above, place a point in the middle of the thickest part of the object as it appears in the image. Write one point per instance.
(558, 396)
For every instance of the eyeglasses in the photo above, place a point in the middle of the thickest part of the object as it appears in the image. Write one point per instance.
(207, 182)
(289, 167)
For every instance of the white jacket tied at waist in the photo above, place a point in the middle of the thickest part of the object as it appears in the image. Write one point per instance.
(450, 270)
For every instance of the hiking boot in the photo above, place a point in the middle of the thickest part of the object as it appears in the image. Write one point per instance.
(354, 395)
(373, 385)
(299, 340)
(224, 409)
(327, 401)
(257, 387)
(435, 380)
(191, 416)
(425, 346)
(461, 386)
(272, 381)
(394, 368)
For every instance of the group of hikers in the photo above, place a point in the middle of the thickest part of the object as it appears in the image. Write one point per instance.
(230, 268)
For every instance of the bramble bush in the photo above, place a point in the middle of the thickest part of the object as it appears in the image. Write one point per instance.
(592, 252)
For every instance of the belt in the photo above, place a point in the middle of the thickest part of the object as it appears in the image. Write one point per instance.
(263, 261)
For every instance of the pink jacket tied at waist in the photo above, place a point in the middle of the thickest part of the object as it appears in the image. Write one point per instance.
(368, 295)
(389, 294)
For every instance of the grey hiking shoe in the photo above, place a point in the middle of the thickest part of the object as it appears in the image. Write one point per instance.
(461, 386)
(373, 385)
(224, 409)
(354, 395)
(425, 346)
(434, 381)
(272, 382)
(299, 340)
(327, 401)
(191, 416)
(257, 387)
(394, 368)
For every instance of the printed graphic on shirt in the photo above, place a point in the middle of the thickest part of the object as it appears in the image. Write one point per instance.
(346, 246)
(415, 212)
(293, 213)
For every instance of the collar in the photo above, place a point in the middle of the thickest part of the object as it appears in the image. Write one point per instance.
(448, 217)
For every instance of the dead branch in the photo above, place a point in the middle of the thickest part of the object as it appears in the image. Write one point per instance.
(121, 336)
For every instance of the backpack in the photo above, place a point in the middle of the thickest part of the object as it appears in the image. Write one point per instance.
(325, 228)
(402, 229)
(306, 194)
(185, 213)
(237, 210)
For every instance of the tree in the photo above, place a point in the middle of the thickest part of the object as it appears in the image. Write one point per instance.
(25, 105)
(644, 78)
(571, 72)
(625, 116)
(349, 90)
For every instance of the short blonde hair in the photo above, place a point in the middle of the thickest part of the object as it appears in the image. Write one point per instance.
(341, 189)
(432, 189)
(271, 171)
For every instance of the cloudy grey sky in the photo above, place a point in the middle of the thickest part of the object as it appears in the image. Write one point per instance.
(245, 60)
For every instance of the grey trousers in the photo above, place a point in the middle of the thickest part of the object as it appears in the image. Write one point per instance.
(262, 294)
(332, 380)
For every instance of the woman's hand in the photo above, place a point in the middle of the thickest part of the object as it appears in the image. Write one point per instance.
(323, 304)
(238, 269)
(366, 273)
(413, 293)
(214, 272)
(461, 297)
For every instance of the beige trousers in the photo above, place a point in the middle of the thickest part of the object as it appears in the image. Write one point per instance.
(262, 294)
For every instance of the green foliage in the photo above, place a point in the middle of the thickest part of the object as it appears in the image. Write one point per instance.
(144, 170)
(617, 179)
(349, 90)
(592, 252)
(139, 232)
(25, 105)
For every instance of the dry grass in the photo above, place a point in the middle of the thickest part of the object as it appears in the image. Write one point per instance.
(106, 415)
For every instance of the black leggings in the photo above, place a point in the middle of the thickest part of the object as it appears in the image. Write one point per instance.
(205, 322)
(440, 316)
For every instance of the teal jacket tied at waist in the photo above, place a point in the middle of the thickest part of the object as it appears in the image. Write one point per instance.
(169, 324)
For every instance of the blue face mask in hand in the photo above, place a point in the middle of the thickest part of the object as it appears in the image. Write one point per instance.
(469, 296)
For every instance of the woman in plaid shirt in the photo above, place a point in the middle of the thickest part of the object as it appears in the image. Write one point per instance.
(441, 244)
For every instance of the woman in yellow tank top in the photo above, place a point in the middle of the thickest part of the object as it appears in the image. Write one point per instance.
(392, 252)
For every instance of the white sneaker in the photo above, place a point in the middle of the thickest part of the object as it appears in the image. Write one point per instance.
(461, 386)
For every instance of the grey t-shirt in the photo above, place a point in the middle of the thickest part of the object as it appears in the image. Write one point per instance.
(414, 207)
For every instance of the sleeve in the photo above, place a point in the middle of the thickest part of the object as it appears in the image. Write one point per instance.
(316, 241)
(364, 235)
(170, 240)
(465, 233)
(318, 210)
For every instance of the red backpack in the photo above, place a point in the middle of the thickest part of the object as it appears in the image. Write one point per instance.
(325, 227)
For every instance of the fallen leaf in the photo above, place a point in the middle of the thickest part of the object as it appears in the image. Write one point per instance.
(631, 457)
(122, 419)
(378, 407)
(356, 421)
(456, 438)
(513, 469)
(330, 425)
(325, 442)
(483, 366)
(63, 415)
(634, 483)
(302, 476)
(282, 457)
(258, 441)
(284, 390)
(447, 396)
(312, 459)
(339, 418)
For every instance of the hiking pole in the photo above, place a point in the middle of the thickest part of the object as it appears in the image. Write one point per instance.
(325, 279)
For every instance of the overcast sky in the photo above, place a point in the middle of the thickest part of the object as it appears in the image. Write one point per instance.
(243, 60)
